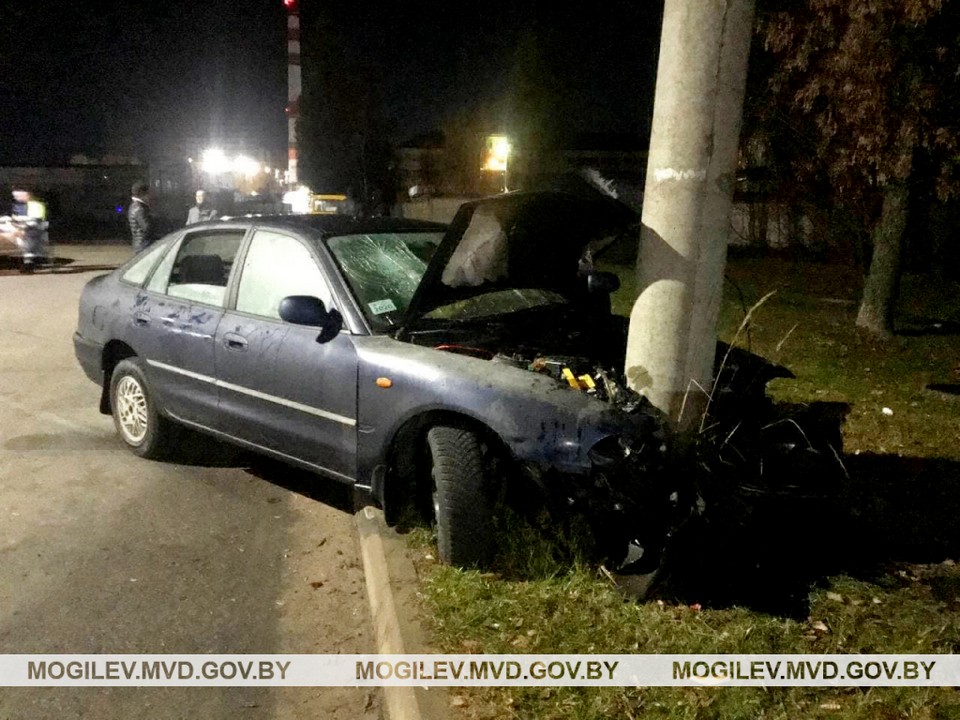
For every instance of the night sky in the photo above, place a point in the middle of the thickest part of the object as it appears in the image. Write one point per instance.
(140, 77)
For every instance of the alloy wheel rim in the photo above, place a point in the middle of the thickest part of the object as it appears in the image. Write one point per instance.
(132, 410)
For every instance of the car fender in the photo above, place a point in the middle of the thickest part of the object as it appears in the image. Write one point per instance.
(539, 420)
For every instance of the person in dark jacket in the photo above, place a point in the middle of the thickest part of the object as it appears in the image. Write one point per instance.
(140, 217)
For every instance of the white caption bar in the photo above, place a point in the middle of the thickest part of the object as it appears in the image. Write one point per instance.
(464, 670)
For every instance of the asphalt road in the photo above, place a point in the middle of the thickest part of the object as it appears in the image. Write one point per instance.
(102, 552)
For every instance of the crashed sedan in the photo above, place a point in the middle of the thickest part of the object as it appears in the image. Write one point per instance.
(424, 365)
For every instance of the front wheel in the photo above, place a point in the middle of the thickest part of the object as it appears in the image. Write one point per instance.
(461, 497)
(135, 412)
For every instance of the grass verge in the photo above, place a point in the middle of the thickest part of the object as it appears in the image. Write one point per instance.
(879, 578)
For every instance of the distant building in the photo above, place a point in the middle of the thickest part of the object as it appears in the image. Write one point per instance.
(427, 164)
(420, 165)
(616, 155)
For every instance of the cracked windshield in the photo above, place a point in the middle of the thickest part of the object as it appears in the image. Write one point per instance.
(384, 270)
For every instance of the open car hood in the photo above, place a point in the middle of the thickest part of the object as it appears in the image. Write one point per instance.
(543, 240)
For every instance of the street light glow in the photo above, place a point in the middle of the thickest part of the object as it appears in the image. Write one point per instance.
(246, 166)
(298, 200)
(215, 162)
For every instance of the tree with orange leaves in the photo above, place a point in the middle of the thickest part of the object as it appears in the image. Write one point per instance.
(870, 92)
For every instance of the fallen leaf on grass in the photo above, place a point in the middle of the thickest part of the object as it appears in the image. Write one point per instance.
(820, 626)
(458, 701)
(831, 706)
(836, 597)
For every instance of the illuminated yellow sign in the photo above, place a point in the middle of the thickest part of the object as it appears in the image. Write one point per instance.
(498, 152)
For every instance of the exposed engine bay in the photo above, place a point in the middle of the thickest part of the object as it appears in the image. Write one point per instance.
(579, 373)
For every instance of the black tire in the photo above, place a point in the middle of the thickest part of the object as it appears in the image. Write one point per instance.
(462, 502)
(136, 415)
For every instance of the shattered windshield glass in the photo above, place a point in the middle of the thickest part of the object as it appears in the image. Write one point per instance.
(384, 270)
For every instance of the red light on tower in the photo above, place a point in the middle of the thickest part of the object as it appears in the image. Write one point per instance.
(290, 4)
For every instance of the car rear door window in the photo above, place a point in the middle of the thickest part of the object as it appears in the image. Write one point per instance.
(140, 269)
(276, 266)
(202, 268)
(161, 276)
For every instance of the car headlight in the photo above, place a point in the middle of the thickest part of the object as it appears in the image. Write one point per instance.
(607, 451)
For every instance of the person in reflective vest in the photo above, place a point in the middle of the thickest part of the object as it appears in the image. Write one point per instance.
(29, 216)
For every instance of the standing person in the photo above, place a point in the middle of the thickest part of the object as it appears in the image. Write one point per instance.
(140, 217)
(202, 211)
(29, 215)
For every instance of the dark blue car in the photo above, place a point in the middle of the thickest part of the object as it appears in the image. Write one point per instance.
(419, 363)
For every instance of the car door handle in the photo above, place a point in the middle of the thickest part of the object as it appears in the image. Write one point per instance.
(234, 341)
(141, 318)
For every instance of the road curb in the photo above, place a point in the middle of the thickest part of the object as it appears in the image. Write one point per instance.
(392, 586)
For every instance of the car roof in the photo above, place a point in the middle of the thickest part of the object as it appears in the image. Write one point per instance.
(342, 224)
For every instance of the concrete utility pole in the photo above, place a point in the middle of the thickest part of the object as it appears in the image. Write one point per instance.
(686, 211)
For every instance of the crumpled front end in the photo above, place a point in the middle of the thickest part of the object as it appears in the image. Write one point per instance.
(609, 467)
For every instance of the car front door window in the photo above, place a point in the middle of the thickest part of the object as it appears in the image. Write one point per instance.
(278, 265)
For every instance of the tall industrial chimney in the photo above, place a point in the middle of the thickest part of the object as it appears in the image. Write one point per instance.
(293, 86)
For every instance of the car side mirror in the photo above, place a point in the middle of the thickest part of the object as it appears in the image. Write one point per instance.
(308, 310)
(603, 282)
